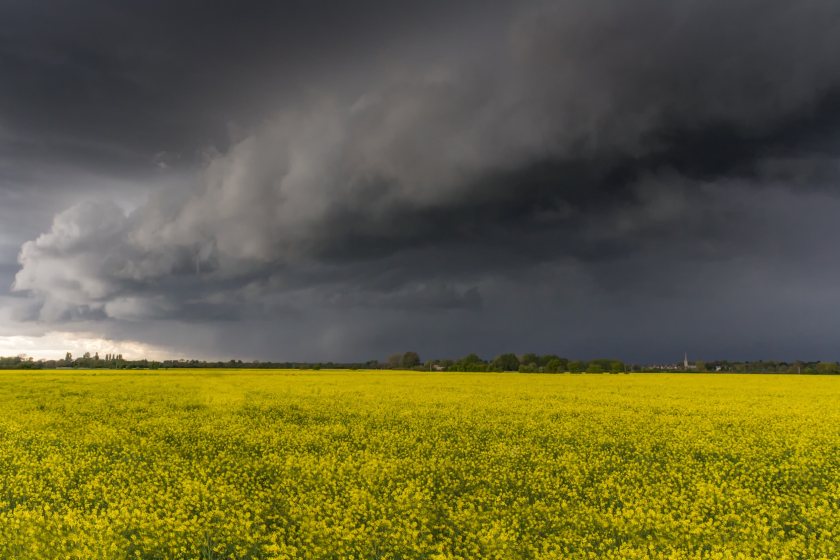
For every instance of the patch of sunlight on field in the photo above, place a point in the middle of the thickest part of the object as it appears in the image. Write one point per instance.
(303, 464)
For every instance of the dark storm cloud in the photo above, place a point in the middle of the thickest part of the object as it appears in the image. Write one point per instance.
(142, 77)
(438, 175)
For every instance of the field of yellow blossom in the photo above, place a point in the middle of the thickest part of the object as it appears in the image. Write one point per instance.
(364, 464)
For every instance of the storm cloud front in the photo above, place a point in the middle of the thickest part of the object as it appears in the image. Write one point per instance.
(327, 181)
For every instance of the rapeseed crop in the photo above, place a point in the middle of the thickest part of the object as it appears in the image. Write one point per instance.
(254, 464)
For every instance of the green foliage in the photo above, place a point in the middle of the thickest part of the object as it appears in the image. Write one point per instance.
(530, 363)
(827, 368)
(530, 358)
(410, 360)
(548, 358)
(505, 362)
(470, 362)
(556, 365)
(394, 361)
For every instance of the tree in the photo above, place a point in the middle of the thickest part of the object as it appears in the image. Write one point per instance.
(594, 367)
(544, 359)
(564, 364)
(555, 365)
(530, 358)
(577, 366)
(506, 362)
(470, 362)
(410, 360)
(827, 367)
(394, 361)
(529, 363)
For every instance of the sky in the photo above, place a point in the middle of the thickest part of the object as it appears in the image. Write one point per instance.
(314, 180)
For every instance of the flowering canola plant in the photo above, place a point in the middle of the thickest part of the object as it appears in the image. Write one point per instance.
(300, 464)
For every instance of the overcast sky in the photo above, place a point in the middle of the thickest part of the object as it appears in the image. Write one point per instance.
(312, 180)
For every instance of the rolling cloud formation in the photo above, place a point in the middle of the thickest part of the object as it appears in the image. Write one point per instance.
(598, 162)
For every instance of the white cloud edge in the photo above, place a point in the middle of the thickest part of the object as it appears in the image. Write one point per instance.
(55, 344)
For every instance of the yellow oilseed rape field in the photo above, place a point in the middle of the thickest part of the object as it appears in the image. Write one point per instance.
(297, 464)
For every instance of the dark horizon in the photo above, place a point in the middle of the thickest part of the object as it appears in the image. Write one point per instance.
(326, 181)
(500, 363)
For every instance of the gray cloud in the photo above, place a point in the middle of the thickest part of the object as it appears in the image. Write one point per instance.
(582, 164)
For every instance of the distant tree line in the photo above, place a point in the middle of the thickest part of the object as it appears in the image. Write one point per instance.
(116, 361)
(763, 366)
(528, 363)
(509, 362)
(86, 361)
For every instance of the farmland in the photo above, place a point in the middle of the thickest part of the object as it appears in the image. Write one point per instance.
(364, 464)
